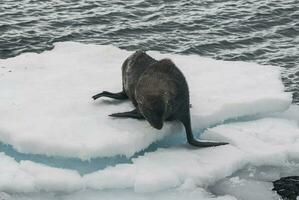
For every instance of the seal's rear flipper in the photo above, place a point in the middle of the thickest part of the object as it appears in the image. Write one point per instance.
(131, 114)
(206, 144)
(119, 95)
(186, 121)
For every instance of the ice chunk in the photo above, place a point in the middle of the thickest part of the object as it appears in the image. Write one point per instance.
(268, 141)
(118, 177)
(11, 178)
(171, 168)
(4, 196)
(291, 114)
(157, 171)
(51, 179)
(258, 179)
(46, 104)
(28, 176)
(245, 189)
(195, 194)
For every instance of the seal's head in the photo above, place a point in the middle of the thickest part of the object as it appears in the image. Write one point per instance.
(153, 109)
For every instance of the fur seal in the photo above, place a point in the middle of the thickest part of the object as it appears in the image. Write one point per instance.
(158, 90)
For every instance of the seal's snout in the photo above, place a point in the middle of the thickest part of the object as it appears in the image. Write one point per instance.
(157, 124)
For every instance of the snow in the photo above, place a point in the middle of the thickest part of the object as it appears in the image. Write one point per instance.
(28, 176)
(46, 106)
(258, 179)
(250, 189)
(266, 141)
(122, 195)
(165, 169)
(179, 168)
(172, 167)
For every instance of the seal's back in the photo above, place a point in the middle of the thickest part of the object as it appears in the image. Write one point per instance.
(132, 69)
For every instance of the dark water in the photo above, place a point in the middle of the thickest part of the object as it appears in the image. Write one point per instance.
(262, 31)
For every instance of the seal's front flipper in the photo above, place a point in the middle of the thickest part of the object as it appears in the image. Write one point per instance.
(132, 114)
(119, 95)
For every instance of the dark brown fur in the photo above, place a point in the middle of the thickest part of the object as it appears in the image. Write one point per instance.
(159, 91)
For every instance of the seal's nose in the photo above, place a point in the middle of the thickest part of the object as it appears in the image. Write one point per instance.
(157, 125)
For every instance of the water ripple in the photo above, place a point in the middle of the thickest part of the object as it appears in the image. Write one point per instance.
(260, 31)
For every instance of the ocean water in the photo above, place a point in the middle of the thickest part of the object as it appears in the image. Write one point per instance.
(260, 31)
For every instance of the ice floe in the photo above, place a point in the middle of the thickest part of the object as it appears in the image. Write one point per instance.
(252, 183)
(28, 177)
(46, 106)
(261, 142)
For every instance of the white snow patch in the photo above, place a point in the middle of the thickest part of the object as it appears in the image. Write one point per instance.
(170, 168)
(245, 189)
(156, 171)
(269, 141)
(252, 178)
(195, 194)
(28, 176)
(119, 177)
(46, 106)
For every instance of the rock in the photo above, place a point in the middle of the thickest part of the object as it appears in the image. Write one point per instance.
(287, 187)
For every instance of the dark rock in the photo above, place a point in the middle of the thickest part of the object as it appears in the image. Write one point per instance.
(287, 187)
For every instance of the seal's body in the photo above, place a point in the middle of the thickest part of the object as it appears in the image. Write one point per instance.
(158, 90)
(132, 69)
